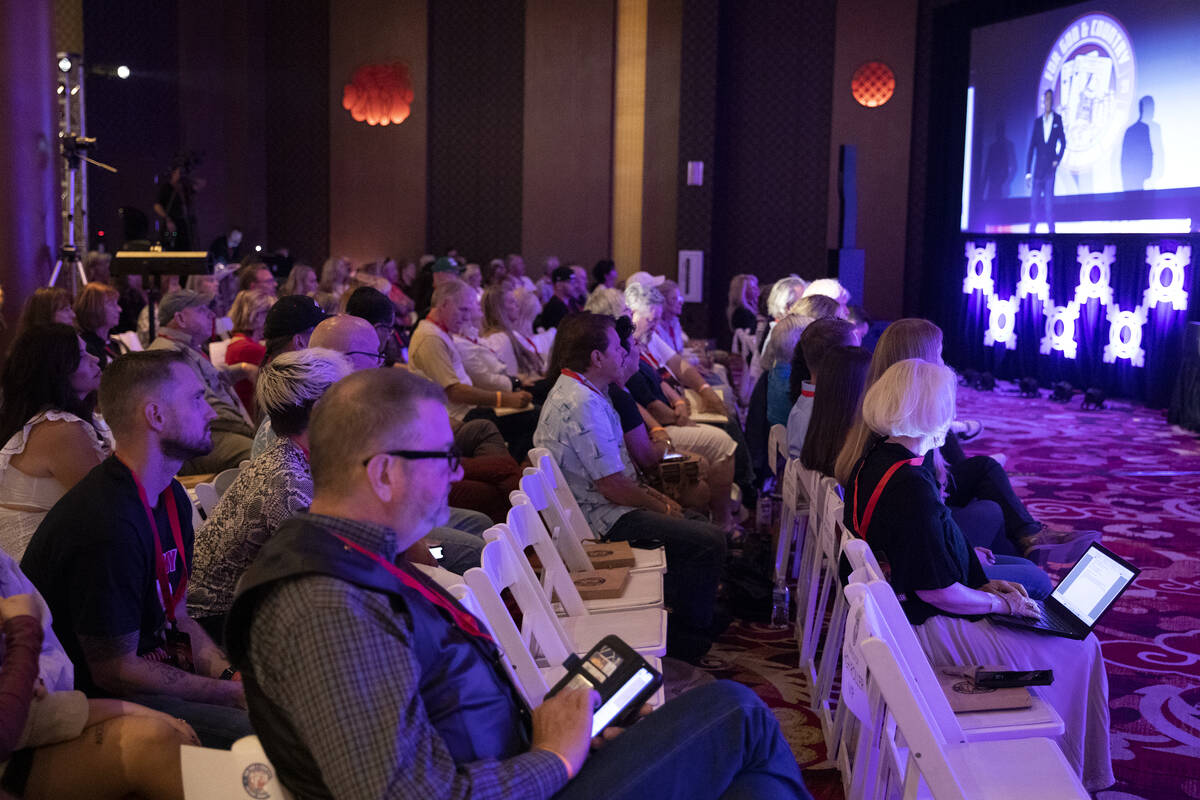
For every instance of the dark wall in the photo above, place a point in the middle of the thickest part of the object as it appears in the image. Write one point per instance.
(476, 126)
(135, 121)
(297, 127)
(772, 153)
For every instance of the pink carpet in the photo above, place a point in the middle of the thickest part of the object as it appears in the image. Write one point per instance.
(1122, 470)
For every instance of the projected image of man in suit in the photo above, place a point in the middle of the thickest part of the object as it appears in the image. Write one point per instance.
(1047, 142)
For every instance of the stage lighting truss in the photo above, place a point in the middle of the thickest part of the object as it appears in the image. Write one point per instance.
(1035, 272)
(979, 269)
(1167, 277)
(1125, 336)
(1166, 285)
(1002, 322)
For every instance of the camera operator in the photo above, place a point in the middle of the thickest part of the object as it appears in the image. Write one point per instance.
(173, 204)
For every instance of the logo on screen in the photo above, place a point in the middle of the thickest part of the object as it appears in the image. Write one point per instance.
(1090, 69)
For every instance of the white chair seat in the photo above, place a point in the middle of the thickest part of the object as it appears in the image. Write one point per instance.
(649, 560)
(1037, 720)
(1015, 768)
(643, 629)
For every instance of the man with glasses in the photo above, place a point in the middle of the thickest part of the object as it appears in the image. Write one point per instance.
(366, 680)
(185, 324)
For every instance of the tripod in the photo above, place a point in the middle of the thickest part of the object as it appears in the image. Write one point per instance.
(74, 148)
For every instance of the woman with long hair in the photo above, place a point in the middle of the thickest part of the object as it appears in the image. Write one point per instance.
(97, 311)
(520, 353)
(896, 506)
(843, 377)
(52, 437)
(335, 275)
(741, 312)
(977, 489)
(249, 316)
(301, 280)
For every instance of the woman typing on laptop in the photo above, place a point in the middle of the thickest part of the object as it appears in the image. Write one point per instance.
(897, 507)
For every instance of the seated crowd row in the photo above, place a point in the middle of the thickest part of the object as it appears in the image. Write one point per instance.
(310, 596)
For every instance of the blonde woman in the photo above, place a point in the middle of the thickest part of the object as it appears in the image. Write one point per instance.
(520, 353)
(249, 315)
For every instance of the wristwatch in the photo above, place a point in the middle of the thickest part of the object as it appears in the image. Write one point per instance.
(228, 674)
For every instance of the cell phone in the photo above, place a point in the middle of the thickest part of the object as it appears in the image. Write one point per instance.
(624, 680)
(436, 551)
(673, 457)
(1009, 679)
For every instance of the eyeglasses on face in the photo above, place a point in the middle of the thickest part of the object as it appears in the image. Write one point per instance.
(379, 358)
(453, 456)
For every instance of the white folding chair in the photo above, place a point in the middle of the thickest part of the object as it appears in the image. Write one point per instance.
(644, 628)
(541, 634)
(1040, 719)
(240, 771)
(777, 450)
(812, 566)
(224, 479)
(487, 605)
(952, 768)
(216, 352)
(563, 516)
(831, 537)
(206, 497)
(793, 523)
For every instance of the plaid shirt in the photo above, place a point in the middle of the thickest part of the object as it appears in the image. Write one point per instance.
(337, 659)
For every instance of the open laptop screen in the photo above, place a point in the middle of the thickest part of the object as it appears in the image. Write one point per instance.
(1092, 585)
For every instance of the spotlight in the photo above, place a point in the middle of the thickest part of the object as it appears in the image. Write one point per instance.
(1094, 398)
(122, 72)
(987, 382)
(1029, 387)
(258, 248)
(62, 89)
(1062, 392)
(74, 90)
(64, 64)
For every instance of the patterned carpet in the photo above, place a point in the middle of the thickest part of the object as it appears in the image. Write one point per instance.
(1122, 470)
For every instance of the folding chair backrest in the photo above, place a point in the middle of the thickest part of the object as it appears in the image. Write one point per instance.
(831, 512)
(525, 529)
(536, 491)
(518, 661)
(223, 480)
(561, 499)
(777, 451)
(206, 497)
(927, 748)
(500, 568)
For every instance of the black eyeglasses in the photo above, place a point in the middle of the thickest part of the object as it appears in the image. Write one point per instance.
(453, 456)
(379, 357)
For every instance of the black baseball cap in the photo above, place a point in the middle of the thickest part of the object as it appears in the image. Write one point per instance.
(292, 314)
(561, 274)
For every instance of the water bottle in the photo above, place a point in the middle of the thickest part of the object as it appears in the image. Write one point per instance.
(780, 603)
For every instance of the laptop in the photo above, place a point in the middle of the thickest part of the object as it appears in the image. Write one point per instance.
(1081, 598)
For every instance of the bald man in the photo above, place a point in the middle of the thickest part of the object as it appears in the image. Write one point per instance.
(352, 336)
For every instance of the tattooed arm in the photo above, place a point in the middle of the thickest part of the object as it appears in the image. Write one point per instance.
(117, 668)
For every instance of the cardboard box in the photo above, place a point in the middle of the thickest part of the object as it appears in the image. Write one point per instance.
(601, 584)
(609, 555)
(964, 695)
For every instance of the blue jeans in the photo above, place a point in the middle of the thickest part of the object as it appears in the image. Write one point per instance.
(1022, 571)
(715, 741)
(217, 726)
(461, 539)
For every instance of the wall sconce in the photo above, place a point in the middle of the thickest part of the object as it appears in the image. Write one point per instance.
(873, 84)
(379, 94)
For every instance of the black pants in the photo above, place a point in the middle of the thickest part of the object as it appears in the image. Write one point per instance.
(982, 478)
(695, 557)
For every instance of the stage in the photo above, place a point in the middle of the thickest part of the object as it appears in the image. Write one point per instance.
(1093, 310)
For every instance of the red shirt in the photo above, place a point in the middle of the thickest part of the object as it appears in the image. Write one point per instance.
(244, 350)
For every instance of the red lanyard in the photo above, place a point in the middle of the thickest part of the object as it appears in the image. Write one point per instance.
(445, 330)
(170, 600)
(651, 360)
(570, 373)
(860, 526)
(461, 618)
(808, 392)
(532, 344)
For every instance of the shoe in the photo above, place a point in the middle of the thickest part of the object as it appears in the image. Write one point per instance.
(971, 429)
(1049, 546)
(1000, 458)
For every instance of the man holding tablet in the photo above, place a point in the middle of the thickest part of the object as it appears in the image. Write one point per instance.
(366, 680)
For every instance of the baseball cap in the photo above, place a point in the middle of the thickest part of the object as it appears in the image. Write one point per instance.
(180, 300)
(645, 279)
(445, 264)
(561, 274)
(292, 314)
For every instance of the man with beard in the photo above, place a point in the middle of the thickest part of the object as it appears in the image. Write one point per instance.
(112, 557)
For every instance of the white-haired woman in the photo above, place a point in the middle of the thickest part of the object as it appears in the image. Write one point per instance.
(646, 302)
(272, 488)
(607, 301)
(897, 507)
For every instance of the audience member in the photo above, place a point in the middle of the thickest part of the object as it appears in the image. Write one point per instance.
(335, 276)
(112, 557)
(257, 277)
(977, 489)
(496, 274)
(433, 354)
(97, 266)
(783, 295)
(47, 304)
(817, 306)
(483, 365)
(434, 716)
(943, 586)
(52, 438)
(54, 668)
(519, 353)
(226, 248)
(276, 485)
(777, 361)
(816, 340)
(579, 289)
(609, 302)
(669, 327)
(557, 306)
(830, 414)
(185, 324)
(249, 317)
(128, 750)
(581, 430)
(741, 312)
(374, 306)
(604, 273)
(828, 287)
(514, 267)
(132, 299)
(97, 312)
(289, 324)
(301, 280)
